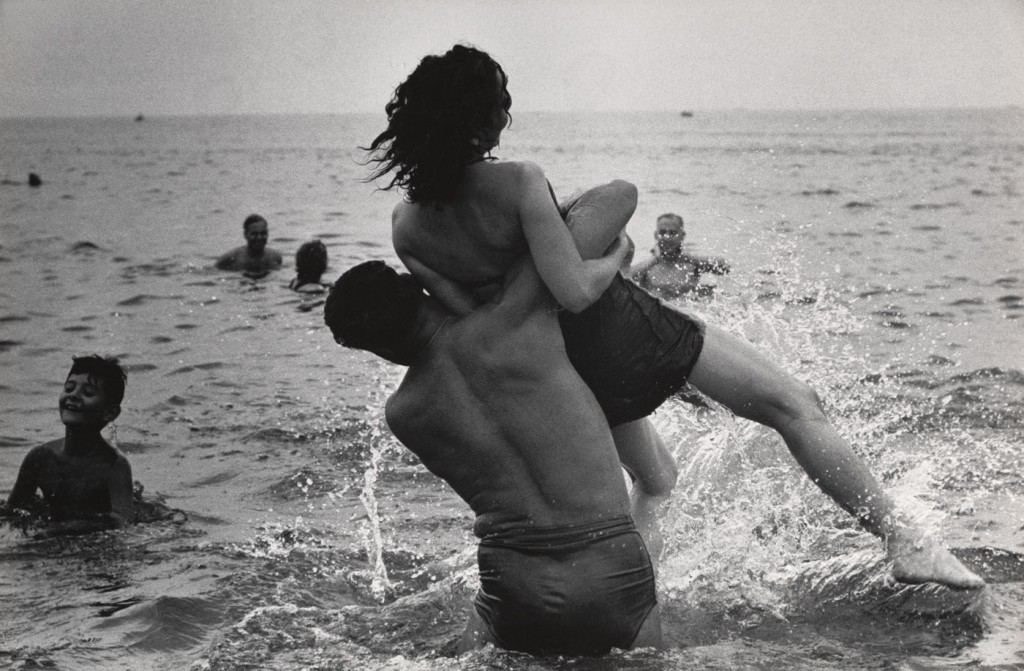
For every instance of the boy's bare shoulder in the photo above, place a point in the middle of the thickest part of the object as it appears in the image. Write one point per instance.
(51, 448)
(43, 456)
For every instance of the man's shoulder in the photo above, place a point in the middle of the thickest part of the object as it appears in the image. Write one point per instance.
(230, 259)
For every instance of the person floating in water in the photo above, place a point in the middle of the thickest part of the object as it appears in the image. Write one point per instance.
(491, 405)
(85, 481)
(670, 272)
(310, 265)
(254, 259)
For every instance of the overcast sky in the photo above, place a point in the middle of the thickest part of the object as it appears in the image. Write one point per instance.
(100, 57)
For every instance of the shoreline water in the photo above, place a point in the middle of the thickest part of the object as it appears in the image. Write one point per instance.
(878, 260)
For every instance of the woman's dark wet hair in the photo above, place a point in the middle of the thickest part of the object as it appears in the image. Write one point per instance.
(433, 119)
(373, 308)
(311, 261)
(107, 369)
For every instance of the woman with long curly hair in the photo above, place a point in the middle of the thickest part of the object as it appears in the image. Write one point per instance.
(468, 217)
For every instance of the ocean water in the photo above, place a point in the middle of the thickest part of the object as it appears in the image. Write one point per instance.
(878, 256)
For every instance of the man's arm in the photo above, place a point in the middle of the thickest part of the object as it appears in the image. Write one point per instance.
(226, 260)
(708, 264)
(596, 217)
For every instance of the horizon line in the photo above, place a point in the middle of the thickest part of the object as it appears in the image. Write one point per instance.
(683, 111)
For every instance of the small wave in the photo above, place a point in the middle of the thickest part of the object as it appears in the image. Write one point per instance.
(933, 206)
(84, 247)
(856, 204)
(8, 345)
(139, 367)
(141, 299)
(170, 623)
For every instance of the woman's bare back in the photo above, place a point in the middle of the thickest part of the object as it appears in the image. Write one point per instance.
(501, 211)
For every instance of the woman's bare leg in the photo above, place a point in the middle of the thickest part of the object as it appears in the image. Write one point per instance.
(644, 455)
(735, 374)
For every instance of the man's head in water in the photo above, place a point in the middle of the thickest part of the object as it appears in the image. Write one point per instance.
(310, 261)
(374, 308)
(256, 233)
(92, 392)
(669, 234)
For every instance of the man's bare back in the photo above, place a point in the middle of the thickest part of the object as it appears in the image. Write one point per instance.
(494, 407)
(491, 404)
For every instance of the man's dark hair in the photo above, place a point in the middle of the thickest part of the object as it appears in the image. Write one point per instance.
(252, 219)
(433, 118)
(671, 215)
(102, 368)
(373, 308)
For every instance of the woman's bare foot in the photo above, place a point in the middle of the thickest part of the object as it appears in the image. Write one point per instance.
(917, 558)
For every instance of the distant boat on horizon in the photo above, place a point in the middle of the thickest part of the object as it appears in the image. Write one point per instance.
(686, 114)
(140, 118)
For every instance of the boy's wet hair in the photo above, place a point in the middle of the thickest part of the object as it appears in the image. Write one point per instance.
(373, 308)
(311, 260)
(107, 369)
(433, 118)
(252, 219)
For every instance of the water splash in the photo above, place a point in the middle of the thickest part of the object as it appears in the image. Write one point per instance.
(373, 540)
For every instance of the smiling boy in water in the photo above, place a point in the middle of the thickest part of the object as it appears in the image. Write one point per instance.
(86, 482)
(254, 259)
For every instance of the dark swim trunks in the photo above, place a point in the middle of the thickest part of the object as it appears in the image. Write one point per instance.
(631, 349)
(574, 590)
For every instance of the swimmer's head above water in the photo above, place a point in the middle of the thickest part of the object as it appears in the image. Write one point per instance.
(93, 391)
(256, 232)
(311, 261)
(374, 308)
(447, 114)
(669, 234)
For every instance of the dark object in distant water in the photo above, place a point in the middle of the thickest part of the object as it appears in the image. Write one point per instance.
(83, 246)
(140, 118)
(34, 180)
(686, 115)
